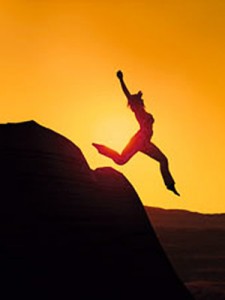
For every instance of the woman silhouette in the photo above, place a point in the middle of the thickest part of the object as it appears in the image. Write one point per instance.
(141, 140)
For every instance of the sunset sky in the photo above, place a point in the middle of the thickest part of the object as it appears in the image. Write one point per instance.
(58, 66)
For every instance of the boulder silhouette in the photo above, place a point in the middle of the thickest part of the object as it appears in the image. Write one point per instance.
(68, 232)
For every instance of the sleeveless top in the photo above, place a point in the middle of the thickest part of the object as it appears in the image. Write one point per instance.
(145, 121)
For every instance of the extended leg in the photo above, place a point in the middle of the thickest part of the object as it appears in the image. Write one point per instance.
(154, 152)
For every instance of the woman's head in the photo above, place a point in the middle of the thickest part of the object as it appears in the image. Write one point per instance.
(136, 102)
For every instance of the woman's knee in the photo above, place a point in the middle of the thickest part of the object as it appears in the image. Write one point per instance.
(164, 160)
(161, 158)
(121, 160)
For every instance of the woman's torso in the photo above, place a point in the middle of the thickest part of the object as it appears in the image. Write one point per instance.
(145, 121)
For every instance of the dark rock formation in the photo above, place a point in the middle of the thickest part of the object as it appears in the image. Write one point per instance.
(68, 232)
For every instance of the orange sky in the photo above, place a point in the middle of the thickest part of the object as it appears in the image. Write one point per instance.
(58, 62)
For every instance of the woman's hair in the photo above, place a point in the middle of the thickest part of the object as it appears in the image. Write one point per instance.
(135, 100)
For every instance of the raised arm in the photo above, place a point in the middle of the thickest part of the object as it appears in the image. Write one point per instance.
(123, 85)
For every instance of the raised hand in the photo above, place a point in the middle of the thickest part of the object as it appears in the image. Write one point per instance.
(119, 75)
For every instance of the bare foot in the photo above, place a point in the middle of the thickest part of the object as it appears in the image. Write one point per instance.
(99, 147)
(173, 189)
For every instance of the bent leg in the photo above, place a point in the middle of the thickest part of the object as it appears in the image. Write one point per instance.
(106, 151)
(154, 152)
(132, 147)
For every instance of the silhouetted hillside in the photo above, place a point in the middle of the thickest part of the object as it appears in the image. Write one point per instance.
(68, 232)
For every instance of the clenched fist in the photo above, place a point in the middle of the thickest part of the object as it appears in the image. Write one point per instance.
(119, 75)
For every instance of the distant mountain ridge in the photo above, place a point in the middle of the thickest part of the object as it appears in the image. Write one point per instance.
(174, 218)
(195, 244)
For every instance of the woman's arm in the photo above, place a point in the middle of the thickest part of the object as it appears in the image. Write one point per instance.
(123, 85)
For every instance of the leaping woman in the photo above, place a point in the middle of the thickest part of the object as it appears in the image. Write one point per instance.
(141, 141)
